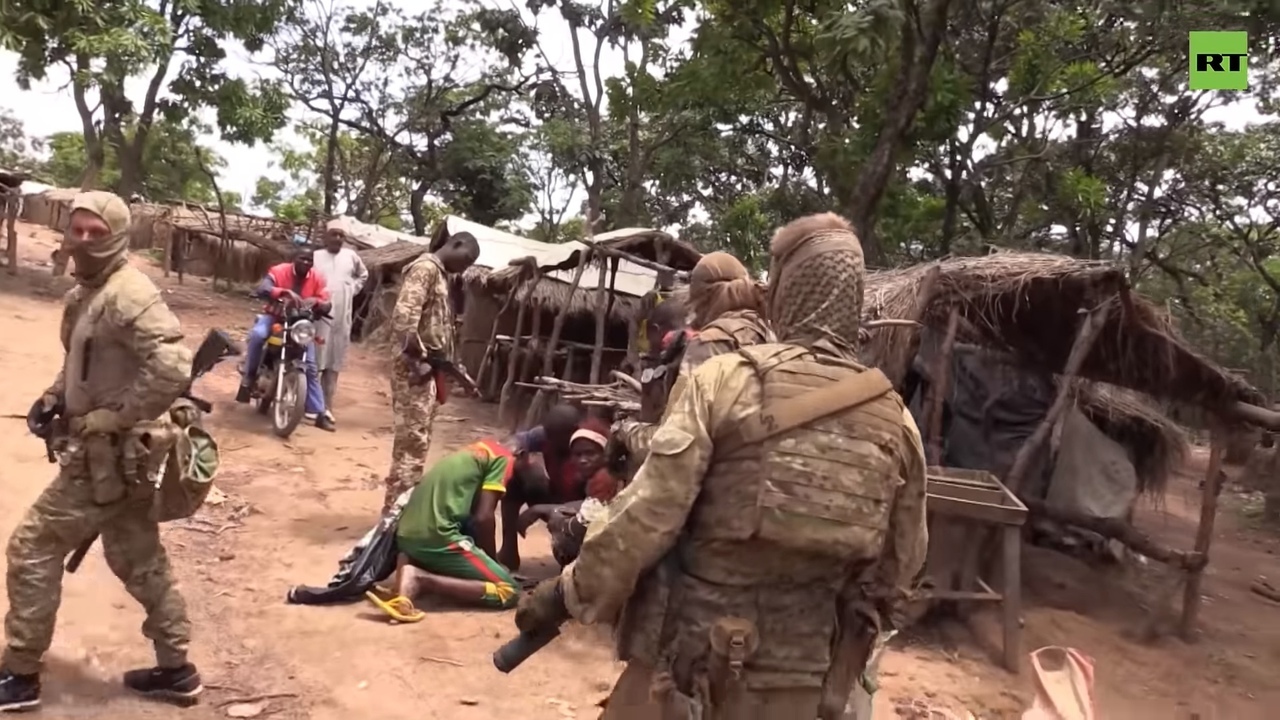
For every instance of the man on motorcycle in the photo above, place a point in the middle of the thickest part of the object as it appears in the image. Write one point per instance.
(295, 282)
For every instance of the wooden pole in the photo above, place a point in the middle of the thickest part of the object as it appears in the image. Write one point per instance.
(513, 356)
(607, 251)
(1204, 533)
(11, 202)
(928, 290)
(558, 326)
(165, 227)
(1093, 323)
(940, 387)
(603, 293)
(489, 349)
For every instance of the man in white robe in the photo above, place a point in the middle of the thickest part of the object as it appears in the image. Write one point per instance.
(344, 275)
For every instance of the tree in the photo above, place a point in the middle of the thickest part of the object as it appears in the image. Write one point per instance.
(362, 178)
(431, 88)
(169, 167)
(18, 151)
(103, 45)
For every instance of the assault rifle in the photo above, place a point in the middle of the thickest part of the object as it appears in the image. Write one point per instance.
(217, 346)
(425, 366)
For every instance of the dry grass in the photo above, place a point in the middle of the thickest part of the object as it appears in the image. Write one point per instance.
(1030, 304)
(1159, 445)
(548, 294)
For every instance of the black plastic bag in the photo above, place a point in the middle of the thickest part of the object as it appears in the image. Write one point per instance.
(372, 560)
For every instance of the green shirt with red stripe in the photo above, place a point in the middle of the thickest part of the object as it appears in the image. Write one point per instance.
(443, 501)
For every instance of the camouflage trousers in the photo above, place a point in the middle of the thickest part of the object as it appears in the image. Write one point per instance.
(63, 518)
(414, 412)
(633, 699)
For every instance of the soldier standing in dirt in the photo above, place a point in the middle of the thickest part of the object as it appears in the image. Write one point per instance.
(124, 371)
(726, 306)
(781, 506)
(422, 325)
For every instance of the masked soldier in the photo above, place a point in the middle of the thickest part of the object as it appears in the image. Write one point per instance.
(124, 369)
(726, 308)
(778, 517)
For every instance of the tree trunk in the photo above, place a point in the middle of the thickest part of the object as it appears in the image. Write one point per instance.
(417, 208)
(330, 167)
(919, 50)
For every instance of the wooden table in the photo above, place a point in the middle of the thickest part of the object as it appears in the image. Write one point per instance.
(978, 497)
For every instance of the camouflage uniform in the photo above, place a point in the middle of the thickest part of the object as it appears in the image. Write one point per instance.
(824, 510)
(728, 333)
(124, 353)
(422, 307)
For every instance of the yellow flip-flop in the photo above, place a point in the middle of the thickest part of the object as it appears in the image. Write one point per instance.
(398, 608)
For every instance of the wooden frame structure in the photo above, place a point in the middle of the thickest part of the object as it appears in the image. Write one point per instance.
(647, 249)
(1075, 319)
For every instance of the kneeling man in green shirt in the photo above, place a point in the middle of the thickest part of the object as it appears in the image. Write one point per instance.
(447, 530)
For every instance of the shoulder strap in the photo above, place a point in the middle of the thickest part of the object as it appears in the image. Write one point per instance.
(780, 416)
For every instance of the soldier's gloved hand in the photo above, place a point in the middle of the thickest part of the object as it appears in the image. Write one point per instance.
(184, 413)
(624, 427)
(97, 422)
(543, 608)
(49, 401)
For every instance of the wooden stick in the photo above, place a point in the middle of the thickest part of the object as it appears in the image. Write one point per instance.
(558, 326)
(926, 293)
(602, 302)
(1127, 534)
(627, 379)
(1088, 333)
(607, 251)
(513, 355)
(1204, 533)
(493, 334)
(256, 698)
(938, 389)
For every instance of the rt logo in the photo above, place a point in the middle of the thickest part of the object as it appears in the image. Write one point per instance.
(1219, 60)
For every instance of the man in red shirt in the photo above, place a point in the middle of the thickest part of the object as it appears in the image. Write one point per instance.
(297, 282)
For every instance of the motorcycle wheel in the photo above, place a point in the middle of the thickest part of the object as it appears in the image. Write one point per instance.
(292, 406)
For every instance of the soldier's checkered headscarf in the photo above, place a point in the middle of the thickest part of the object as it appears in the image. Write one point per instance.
(816, 277)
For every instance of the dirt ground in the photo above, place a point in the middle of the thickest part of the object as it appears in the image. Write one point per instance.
(293, 508)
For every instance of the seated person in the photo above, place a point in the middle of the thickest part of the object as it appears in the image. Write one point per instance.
(567, 521)
(446, 531)
(291, 282)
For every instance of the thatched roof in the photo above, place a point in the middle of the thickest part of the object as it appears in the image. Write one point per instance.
(393, 256)
(1029, 304)
(650, 245)
(1159, 445)
(550, 293)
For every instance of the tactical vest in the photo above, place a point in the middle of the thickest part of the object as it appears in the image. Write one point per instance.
(730, 332)
(99, 369)
(779, 528)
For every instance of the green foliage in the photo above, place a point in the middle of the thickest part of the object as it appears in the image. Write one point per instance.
(18, 151)
(102, 45)
(170, 168)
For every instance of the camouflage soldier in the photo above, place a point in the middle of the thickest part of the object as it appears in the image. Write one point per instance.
(124, 369)
(725, 304)
(785, 487)
(422, 323)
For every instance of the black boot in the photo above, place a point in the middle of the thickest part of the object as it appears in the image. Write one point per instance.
(19, 693)
(324, 423)
(180, 685)
(245, 393)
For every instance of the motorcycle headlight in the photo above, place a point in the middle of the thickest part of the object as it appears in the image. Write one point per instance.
(302, 332)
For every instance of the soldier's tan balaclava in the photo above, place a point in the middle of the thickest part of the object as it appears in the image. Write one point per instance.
(816, 276)
(719, 284)
(97, 258)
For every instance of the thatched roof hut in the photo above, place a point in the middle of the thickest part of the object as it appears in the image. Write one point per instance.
(1030, 304)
